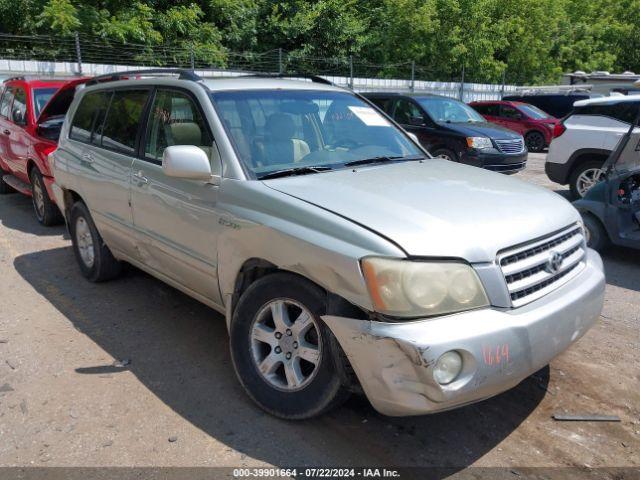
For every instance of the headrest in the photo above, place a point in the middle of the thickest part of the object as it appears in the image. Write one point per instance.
(280, 126)
(185, 133)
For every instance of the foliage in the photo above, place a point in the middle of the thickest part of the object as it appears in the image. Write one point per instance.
(526, 41)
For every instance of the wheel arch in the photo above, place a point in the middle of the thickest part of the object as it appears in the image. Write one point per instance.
(584, 155)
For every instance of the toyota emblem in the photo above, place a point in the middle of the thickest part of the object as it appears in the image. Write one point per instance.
(555, 262)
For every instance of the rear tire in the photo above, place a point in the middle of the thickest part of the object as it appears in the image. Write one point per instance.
(46, 211)
(96, 261)
(597, 237)
(446, 154)
(270, 348)
(4, 188)
(535, 141)
(584, 176)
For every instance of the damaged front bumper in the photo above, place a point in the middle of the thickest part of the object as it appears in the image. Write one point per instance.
(500, 347)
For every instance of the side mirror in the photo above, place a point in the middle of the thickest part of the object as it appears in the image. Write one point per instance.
(186, 161)
(417, 121)
(414, 137)
(18, 117)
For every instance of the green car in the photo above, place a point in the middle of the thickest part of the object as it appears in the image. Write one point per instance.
(611, 209)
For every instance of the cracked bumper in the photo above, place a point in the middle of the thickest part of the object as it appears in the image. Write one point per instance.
(500, 348)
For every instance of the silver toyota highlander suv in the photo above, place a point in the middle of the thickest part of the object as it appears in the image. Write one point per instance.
(342, 255)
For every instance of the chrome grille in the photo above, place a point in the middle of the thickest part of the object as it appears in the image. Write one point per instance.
(510, 146)
(529, 270)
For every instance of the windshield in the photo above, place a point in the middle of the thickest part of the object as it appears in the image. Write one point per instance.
(275, 130)
(533, 112)
(445, 110)
(40, 98)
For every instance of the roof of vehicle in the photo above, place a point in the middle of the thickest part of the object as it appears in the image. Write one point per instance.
(608, 100)
(36, 82)
(497, 102)
(397, 94)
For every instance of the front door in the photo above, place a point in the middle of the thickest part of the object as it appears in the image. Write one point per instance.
(408, 114)
(176, 220)
(511, 118)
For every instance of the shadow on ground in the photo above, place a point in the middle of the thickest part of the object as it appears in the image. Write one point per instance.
(178, 349)
(622, 267)
(16, 213)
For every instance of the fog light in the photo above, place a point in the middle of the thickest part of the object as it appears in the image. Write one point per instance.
(447, 368)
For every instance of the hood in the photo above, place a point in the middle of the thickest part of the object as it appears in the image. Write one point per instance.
(436, 208)
(482, 129)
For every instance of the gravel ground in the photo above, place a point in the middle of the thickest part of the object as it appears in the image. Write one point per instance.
(173, 400)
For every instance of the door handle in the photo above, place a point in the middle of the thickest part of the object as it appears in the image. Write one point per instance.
(6, 132)
(140, 178)
(87, 157)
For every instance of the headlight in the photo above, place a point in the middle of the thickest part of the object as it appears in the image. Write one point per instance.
(479, 142)
(406, 288)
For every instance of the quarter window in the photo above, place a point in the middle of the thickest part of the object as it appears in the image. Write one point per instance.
(123, 119)
(624, 111)
(5, 105)
(175, 120)
(19, 107)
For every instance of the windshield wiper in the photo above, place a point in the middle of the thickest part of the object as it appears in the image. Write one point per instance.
(382, 159)
(286, 172)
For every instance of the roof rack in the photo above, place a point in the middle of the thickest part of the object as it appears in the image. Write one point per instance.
(560, 89)
(19, 77)
(313, 78)
(112, 77)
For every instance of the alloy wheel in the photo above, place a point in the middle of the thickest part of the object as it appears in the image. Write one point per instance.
(588, 179)
(84, 240)
(285, 344)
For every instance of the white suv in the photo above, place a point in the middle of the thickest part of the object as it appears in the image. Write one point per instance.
(583, 141)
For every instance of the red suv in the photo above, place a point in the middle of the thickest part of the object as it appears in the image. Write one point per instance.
(528, 120)
(31, 115)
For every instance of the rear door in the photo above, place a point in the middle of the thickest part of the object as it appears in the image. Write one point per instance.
(177, 220)
(104, 135)
(511, 118)
(5, 108)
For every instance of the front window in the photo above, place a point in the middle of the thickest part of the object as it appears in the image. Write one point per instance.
(40, 98)
(534, 112)
(274, 130)
(448, 110)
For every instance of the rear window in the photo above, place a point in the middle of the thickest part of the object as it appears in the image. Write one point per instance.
(89, 116)
(123, 119)
(110, 119)
(41, 97)
(623, 112)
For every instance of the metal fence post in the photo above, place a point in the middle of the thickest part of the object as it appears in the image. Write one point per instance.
(462, 85)
(412, 87)
(351, 72)
(504, 77)
(78, 53)
(280, 66)
(192, 58)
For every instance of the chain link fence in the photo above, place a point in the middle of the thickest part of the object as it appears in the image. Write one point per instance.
(86, 55)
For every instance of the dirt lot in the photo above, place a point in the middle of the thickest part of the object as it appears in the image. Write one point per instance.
(177, 403)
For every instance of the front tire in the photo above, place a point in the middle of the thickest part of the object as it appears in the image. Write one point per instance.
(535, 142)
(96, 261)
(285, 357)
(446, 154)
(597, 237)
(46, 211)
(585, 176)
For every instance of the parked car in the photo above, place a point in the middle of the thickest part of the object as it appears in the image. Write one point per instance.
(557, 104)
(583, 141)
(339, 253)
(528, 120)
(452, 130)
(611, 209)
(31, 115)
